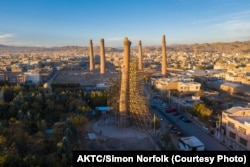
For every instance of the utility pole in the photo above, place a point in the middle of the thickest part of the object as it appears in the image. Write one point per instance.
(154, 123)
(169, 97)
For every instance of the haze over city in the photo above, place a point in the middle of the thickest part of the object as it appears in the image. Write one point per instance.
(62, 22)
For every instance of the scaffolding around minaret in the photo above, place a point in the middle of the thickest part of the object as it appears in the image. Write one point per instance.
(127, 96)
(138, 101)
(137, 115)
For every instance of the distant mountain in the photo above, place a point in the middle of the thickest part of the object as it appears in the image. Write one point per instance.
(233, 47)
(54, 50)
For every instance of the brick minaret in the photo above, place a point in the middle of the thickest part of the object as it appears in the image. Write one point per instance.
(102, 57)
(163, 63)
(140, 64)
(91, 56)
(124, 93)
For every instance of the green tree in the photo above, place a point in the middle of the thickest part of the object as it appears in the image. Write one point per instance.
(202, 111)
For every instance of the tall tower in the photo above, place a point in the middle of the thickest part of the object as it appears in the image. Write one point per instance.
(124, 93)
(102, 57)
(140, 66)
(163, 63)
(91, 56)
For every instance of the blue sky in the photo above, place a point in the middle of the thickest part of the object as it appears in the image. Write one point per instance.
(73, 22)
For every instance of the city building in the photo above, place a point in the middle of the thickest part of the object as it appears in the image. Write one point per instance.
(32, 77)
(236, 126)
(179, 84)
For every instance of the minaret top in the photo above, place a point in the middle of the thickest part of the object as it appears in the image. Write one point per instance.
(163, 38)
(126, 41)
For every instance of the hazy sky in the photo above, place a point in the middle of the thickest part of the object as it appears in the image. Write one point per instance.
(73, 22)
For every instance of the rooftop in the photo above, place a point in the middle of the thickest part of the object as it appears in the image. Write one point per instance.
(244, 119)
(236, 109)
(192, 141)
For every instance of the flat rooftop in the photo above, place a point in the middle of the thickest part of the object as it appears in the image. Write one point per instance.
(244, 120)
(192, 141)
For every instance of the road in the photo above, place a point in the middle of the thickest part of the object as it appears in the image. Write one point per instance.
(51, 81)
(191, 129)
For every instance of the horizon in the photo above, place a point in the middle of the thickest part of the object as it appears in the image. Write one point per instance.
(60, 23)
(121, 47)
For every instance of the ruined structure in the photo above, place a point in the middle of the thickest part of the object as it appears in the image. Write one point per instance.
(91, 56)
(163, 63)
(133, 103)
(102, 57)
(140, 58)
(123, 103)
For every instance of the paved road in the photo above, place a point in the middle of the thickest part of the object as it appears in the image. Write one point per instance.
(190, 129)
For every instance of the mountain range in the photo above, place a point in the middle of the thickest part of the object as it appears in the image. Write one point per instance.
(233, 47)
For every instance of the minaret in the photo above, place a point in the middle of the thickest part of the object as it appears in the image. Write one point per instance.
(163, 63)
(140, 66)
(102, 57)
(123, 103)
(91, 56)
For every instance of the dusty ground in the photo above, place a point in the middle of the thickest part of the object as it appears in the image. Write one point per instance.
(128, 144)
(112, 139)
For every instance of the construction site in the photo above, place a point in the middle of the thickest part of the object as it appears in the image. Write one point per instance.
(130, 116)
(127, 97)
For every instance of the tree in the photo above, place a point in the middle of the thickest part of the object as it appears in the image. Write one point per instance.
(8, 95)
(202, 111)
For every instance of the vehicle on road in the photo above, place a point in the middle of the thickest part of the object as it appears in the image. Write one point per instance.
(191, 143)
(176, 114)
(185, 119)
(170, 110)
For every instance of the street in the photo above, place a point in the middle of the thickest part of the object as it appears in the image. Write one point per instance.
(192, 129)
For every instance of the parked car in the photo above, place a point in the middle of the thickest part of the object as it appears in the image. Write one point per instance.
(176, 114)
(186, 120)
(182, 117)
(170, 109)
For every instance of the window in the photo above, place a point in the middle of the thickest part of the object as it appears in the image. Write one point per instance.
(232, 135)
(242, 130)
(243, 141)
(231, 125)
(197, 87)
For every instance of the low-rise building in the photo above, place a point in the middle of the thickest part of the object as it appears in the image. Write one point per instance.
(181, 85)
(236, 125)
(32, 77)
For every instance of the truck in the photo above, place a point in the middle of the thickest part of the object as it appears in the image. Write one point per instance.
(190, 143)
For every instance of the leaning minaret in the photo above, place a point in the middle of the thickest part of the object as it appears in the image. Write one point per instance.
(124, 93)
(91, 56)
(163, 63)
(140, 66)
(102, 57)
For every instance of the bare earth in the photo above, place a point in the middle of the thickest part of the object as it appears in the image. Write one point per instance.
(111, 138)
